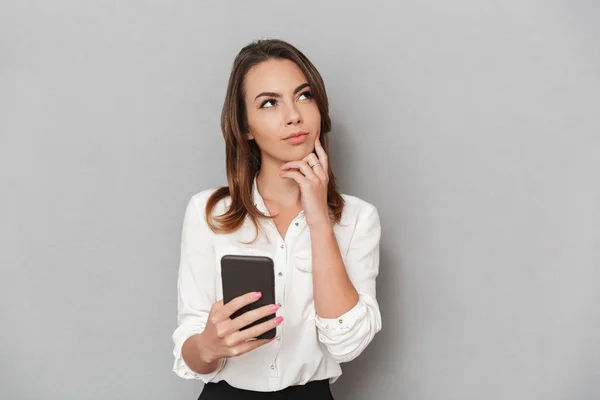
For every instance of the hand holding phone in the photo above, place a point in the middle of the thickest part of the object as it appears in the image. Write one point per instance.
(225, 337)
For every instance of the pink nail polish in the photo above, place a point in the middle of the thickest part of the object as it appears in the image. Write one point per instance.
(274, 307)
(256, 295)
(278, 320)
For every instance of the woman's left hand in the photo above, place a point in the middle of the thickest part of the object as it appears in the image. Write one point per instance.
(311, 174)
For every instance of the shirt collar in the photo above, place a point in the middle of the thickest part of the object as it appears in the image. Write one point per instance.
(258, 200)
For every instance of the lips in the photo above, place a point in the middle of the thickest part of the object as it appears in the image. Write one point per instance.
(296, 140)
(296, 134)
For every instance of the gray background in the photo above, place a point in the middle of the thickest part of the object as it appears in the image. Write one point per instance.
(469, 124)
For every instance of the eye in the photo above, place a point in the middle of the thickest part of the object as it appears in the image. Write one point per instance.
(262, 105)
(308, 94)
(273, 102)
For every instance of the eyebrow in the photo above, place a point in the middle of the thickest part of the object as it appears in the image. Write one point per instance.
(273, 94)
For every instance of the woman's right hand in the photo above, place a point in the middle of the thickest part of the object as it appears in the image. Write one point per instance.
(222, 337)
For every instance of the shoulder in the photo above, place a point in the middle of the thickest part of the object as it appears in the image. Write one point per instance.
(357, 209)
(200, 199)
(357, 205)
(202, 196)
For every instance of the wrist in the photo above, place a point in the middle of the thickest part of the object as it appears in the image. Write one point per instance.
(321, 223)
(325, 227)
(203, 352)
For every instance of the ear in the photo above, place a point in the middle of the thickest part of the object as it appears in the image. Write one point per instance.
(249, 136)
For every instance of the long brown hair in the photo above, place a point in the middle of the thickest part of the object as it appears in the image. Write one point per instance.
(243, 157)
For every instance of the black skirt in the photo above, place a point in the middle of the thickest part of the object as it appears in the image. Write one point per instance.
(314, 390)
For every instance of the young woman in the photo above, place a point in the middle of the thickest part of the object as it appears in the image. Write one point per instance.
(282, 202)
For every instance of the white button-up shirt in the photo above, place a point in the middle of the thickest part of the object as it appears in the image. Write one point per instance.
(308, 347)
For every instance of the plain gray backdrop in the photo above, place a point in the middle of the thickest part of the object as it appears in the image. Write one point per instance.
(472, 126)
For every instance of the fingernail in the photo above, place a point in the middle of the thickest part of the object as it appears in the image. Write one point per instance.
(256, 295)
(278, 320)
(281, 174)
(274, 307)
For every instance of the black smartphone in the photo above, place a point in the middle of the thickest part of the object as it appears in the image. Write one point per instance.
(241, 274)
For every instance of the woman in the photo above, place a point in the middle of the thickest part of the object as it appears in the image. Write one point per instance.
(281, 201)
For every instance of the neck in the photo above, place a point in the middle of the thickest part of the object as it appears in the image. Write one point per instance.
(273, 187)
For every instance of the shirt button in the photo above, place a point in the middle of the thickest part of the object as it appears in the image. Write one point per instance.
(278, 337)
(280, 274)
(296, 224)
(282, 246)
(272, 367)
(341, 321)
(279, 305)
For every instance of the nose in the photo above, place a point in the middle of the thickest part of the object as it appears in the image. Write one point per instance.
(293, 116)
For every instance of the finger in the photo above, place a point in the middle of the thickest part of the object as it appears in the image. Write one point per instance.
(303, 167)
(313, 160)
(225, 312)
(247, 347)
(230, 326)
(297, 176)
(253, 315)
(217, 305)
(213, 313)
(240, 336)
(323, 159)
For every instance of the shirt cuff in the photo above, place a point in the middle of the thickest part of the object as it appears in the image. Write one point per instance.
(185, 372)
(343, 323)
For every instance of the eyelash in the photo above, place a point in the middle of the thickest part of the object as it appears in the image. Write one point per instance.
(307, 93)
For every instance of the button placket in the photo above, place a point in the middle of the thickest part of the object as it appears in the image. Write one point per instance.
(281, 265)
(281, 257)
(273, 370)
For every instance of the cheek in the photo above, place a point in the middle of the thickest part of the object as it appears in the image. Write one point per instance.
(314, 115)
(266, 128)
(258, 120)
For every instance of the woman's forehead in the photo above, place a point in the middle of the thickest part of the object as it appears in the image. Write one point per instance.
(279, 76)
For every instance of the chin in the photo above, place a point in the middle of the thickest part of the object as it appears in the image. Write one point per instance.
(301, 151)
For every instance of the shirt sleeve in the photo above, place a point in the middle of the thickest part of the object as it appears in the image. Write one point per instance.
(195, 287)
(349, 334)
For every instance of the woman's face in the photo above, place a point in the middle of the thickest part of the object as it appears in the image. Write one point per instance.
(279, 103)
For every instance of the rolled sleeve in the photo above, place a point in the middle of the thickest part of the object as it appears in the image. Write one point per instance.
(346, 336)
(343, 323)
(182, 369)
(195, 285)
